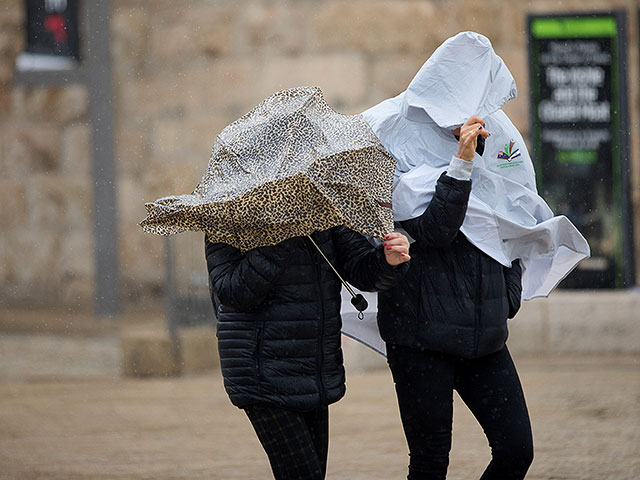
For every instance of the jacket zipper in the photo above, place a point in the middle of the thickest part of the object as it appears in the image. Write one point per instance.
(320, 356)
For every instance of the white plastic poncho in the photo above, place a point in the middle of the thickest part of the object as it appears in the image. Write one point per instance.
(506, 218)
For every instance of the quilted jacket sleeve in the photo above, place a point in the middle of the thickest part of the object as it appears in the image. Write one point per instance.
(440, 222)
(513, 279)
(243, 280)
(364, 265)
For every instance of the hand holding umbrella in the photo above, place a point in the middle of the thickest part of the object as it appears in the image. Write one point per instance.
(396, 248)
(396, 252)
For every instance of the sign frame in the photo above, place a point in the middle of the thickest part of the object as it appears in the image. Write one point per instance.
(556, 26)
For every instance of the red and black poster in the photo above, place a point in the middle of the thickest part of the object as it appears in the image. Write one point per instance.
(52, 27)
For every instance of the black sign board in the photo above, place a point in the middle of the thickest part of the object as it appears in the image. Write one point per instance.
(52, 27)
(578, 111)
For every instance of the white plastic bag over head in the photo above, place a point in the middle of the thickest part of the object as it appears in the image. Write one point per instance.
(506, 218)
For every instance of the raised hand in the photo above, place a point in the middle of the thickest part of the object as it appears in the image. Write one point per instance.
(468, 134)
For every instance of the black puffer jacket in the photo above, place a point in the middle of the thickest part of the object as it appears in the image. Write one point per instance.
(455, 299)
(279, 315)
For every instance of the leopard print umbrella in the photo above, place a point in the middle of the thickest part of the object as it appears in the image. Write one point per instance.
(289, 167)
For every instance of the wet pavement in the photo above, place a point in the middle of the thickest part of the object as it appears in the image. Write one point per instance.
(66, 413)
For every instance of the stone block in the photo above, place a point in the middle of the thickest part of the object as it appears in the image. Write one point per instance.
(32, 264)
(130, 41)
(214, 39)
(48, 201)
(273, 27)
(143, 97)
(188, 139)
(205, 29)
(13, 153)
(78, 292)
(147, 352)
(202, 132)
(392, 74)
(167, 137)
(11, 13)
(4, 274)
(478, 16)
(77, 254)
(150, 351)
(529, 329)
(568, 322)
(199, 349)
(132, 149)
(14, 204)
(377, 27)
(171, 43)
(78, 201)
(223, 86)
(11, 43)
(72, 103)
(57, 104)
(6, 71)
(342, 77)
(170, 176)
(517, 109)
(590, 322)
(131, 200)
(5, 106)
(30, 148)
(231, 87)
(76, 152)
(141, 254)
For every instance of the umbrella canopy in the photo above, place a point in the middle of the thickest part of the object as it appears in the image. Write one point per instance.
(289, 167)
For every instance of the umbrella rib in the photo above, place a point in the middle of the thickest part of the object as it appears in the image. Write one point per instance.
(347, 286)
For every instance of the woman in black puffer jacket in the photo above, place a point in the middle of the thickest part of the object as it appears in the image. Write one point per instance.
(445, 329)
(278, 310)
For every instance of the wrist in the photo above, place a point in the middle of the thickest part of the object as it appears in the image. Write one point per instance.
(461, 155)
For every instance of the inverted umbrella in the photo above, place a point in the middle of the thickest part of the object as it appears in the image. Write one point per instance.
(289, 167)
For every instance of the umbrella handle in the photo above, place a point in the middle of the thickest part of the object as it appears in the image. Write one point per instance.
(360, 303)
(357, 299)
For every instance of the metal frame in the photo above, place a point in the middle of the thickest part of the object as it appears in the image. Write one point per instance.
(627, 234)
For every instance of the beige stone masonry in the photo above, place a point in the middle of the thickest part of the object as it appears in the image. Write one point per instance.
(181, 71)
(378, 27)
(150, 351)
(342, 77)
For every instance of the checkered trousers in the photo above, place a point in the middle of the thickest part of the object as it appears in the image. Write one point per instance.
(297, 443)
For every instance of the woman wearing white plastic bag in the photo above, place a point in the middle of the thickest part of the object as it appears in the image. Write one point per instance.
(473, 214)
(506, 218)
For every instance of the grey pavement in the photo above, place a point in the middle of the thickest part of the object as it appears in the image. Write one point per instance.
(67, 413)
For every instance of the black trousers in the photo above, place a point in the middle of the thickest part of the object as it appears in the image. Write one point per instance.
(488, 385)
(297, 443)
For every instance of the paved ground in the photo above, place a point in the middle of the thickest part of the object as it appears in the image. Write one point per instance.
(67, 414)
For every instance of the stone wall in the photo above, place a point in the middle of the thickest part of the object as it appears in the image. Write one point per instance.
(184, 70)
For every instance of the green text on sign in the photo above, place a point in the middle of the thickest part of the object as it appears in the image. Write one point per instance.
(570, 27)
(579, 157)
